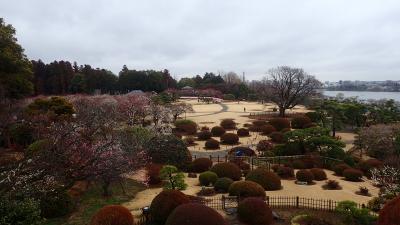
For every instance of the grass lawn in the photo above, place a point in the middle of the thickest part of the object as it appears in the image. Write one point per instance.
(93, 200)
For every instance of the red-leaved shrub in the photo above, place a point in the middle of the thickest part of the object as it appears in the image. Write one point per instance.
(243, 132)
(165, 202)
(277, 137)
(254, 211)
(195, 214)
(264, 145)
(340, 168)
(352, 174)
(268, 180)
(204, 135)
(153, 173)
(300, 121)
(304, 176)
(267, 129)
(227, 169)
(201, 164)
(112, 215)
(285, 172)
(228, 124)
(319, 174)
(389, 214)
(279, 123)
(246, 189)
(217, 131)
(212, 144)
(230, 138)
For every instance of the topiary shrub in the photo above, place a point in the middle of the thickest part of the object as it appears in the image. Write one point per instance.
(230, 138)
(298, 164)
(168, 149)
(54, 205)
(313, 116)
(331, 185)
(352, 174)
(201, 164)
(254, 211)
(340, 168)
(242, 151)
(165, 202)
(369, 164)
(268, 180)
(195, 214)
(277, 137)
(153, 173)
(264, 145)
(223, 184)
(246, 189)
(217, 131)
(188, 127)
(228, 124)
(305, 176)
(204, 135)
(285, 172)
(267, 129)
(240, 163)
(227, 169)
(308, 220)
(300, 121)
(207, 178)
(319, 174)
(259, 123)
(243, 132)
(189, 140)
(279, 123)
(211, 144)
(112, 215)
(389, 214)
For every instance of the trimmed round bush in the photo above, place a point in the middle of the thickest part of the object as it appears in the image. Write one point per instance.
(195, 214)
(304, 176)
(268, 180)
(267, 129)
(228, 124)
(204, 135)
(189, 140)
(314, 116)
(298, 164)
(188, 127)
(369, 164)
(352, 174)
(277, 137)
(243, 132)
(217, 131)
(254, 211)
(279, 123)
(112, 215)
(308, 163)
(165, 202)
(242, 151)
(264, 145)
(285, 172)
(246, 189)
(207, 178)
(212, 144)
(230, 138)
(389, 214)
(319, 174)
(227, 169)
(259, 123)
(300, 121)
(153, 173)
(201, 164)
(240, 163)
(223, 184)
(340, 168)
(54, 205)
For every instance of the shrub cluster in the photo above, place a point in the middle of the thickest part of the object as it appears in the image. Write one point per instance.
(195, 213)
(279, 123)
(331, 185)
(212, 144)
(300, 121)
(217, 131)
(352, 174)
(186, 126)
(243, 132)
(246, 189)
(204, 135)
(254, 211)
(207, 178)
(340, 168)
(223, 184)
(298, 164)
(264, 145)
(268, 180)
(228, 124)
(242, 150)
(227, 169)
(267, 129)
(319, 174)
(240, 163)
(165, 202)
(201, 164)
(305, 176)
(230, 138)
(112, 215)
(277, 137)
(285, 172)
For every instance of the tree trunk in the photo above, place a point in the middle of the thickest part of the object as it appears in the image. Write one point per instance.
(333, 127)
(106, 191)
(282, 112)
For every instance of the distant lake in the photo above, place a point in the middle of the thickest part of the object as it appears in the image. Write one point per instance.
(365, 95)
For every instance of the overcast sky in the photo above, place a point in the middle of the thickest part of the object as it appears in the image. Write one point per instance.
(331, 39)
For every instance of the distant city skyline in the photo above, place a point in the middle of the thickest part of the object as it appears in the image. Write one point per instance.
(333, 39)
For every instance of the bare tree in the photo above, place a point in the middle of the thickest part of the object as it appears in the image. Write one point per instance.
(288, 87)
(232, 78)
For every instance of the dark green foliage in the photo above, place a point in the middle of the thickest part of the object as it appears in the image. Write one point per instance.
(228, 124)
(212, 144)
(207, 178)
(201, 164)
(113, 215)
(245, 189)
(186, 126)
(165, 202)
(309, 220)
(21, 134)
(314, 116)
(300, 121)
(304, 176)
(204, 135)
(288, 149)
(145, 80)
(319, 174)
(229, 138)
(19, 212)
(279, 123)
(352, 174)
(54, 205)
(277, 137)
(223, 184)
(268, 180)
(243, 132)
(195, 214)
(227, 169)
(285, 172)
(254, 211)
(217, 131)
(354, 215)
(168, 149)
